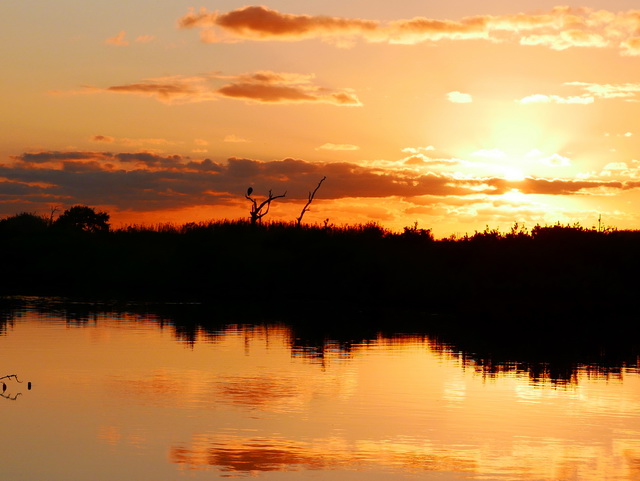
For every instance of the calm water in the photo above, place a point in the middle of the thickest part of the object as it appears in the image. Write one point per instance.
(125, 397)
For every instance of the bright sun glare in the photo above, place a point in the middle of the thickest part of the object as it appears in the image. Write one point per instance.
(513, 173)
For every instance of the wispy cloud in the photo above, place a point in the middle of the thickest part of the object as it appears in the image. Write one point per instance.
(553, 160)
(559, 28)
(145, 38)
(490, 153)
(235, 139)
(264, 87)
(418, 150)
(118, 40)
(631, 46)
(330, 146)
(121, 41)
(566, 39)
(556, 99)
(459, 97)
(271, 87)
(103, 138)
(626, 91)
(132, 142)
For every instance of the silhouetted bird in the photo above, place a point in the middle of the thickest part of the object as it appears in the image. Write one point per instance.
(249, 190)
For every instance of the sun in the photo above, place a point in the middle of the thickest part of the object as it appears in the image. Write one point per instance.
(513, 173)
(518, 143)
(515, 196)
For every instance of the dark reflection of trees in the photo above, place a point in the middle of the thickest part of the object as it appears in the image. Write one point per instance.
(75, 313)
(547, 344)
(6, 320)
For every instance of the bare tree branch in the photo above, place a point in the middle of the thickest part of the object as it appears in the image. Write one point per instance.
(256, 213)
(311, 196)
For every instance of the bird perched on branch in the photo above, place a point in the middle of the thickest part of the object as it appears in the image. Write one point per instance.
(249, 191)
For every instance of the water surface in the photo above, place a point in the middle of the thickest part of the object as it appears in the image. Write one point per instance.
(129, 396)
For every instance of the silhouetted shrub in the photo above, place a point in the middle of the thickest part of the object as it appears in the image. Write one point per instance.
(83, 218)
(24, 223)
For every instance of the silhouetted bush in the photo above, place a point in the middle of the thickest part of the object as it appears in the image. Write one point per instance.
(24, 223)
(84, 219)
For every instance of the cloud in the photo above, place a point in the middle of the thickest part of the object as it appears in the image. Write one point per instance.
(615, 166)
(569, 186)
(631, 47)
(418, 150)
(420, 29)
(271, 87)
(459, 97)
(164, 91)
(556, 99)
(421, 160)
(235, 139)
(131, 142)
(266, 93)
(330, 146)
(566, 39)
(559, 28)
(627, 91)
(490, 153)
(260, 87)
(555, 160)
(103, 138)
(118, 40)
(262, 23)
(145, 38)
(621, 170)
(145, 181)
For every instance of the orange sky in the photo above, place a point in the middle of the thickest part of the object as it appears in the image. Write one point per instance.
(453, 114)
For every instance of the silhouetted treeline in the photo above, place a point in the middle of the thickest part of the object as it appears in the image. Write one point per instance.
(511, 276)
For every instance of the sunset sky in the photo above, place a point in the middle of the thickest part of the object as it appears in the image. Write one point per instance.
(456, 114)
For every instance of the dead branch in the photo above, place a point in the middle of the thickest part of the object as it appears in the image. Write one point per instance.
(311, 197)
(256, 213)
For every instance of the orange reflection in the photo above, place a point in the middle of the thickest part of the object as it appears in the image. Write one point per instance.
(248, 400)
(252, 454)
(246, 455)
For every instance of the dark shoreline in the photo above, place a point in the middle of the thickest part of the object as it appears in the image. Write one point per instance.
(559, 296)
(554, 266)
